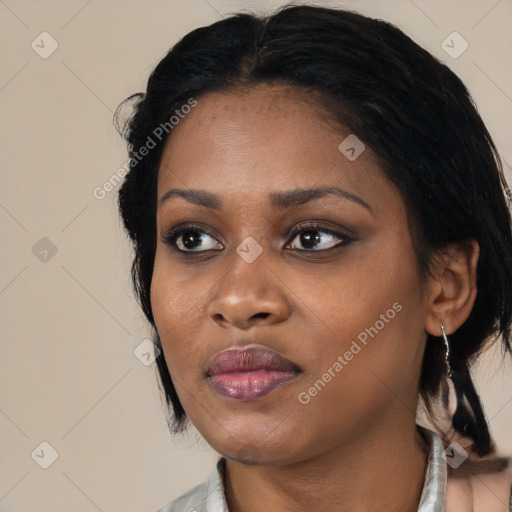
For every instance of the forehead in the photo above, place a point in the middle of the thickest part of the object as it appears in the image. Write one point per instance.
(263, 139)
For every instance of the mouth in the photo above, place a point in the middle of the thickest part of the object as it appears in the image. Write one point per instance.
(247, 374)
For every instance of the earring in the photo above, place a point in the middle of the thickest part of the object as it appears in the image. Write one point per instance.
(449, 394)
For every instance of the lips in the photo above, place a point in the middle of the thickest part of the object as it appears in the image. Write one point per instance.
(247, 374)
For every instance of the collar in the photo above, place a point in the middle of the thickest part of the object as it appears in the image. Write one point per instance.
(433, 496)
(209, 496)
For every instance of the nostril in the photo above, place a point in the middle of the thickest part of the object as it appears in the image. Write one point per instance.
(260, 315)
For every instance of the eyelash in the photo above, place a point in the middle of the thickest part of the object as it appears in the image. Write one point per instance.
(170, 236)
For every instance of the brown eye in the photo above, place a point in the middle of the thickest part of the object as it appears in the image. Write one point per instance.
(190, 238)
(318, 238)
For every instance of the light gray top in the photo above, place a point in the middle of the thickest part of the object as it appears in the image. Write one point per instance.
(209, 496)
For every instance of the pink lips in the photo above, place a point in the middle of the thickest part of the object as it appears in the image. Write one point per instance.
(247, 374)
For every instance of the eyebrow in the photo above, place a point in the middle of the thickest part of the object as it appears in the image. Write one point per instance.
(278, 200)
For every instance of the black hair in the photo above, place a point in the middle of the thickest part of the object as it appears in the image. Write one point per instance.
(406, 105)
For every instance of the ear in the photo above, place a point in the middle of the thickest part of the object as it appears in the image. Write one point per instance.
(453, 287)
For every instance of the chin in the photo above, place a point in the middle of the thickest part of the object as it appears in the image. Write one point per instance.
(256, 447)
(263, 432)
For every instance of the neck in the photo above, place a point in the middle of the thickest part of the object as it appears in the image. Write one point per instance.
(380, 469)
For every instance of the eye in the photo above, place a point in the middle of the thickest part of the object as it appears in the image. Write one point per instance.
(190, 237)
(313, 236)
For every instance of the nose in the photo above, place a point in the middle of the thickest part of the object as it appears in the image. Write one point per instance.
(249, 294)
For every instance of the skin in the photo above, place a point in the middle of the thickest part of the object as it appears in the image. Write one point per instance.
(354, 446)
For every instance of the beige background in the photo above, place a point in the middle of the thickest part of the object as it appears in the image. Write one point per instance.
(70, 324)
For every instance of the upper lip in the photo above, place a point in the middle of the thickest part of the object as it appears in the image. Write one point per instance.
(240, 359)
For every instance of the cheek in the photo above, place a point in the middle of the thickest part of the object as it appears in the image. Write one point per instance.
(176, 311)
(353, 296)
(371, 312)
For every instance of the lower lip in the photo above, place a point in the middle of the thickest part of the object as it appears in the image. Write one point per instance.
(250, 385)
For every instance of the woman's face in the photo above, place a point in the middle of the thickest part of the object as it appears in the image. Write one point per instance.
(290, 313)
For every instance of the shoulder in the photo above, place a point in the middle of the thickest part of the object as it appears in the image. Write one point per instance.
(488, 492)
(205, 497)
(492, 492)
(192, 500)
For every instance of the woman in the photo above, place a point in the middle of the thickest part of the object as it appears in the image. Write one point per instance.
(322, 243)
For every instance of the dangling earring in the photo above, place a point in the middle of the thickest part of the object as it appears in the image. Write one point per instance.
(449, 394)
